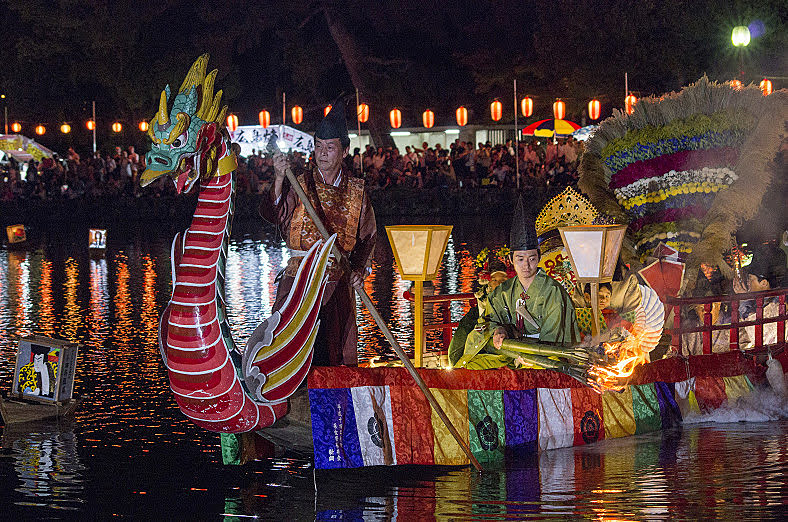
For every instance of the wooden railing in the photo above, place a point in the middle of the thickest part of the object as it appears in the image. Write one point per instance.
(446, 324)
(735, 324)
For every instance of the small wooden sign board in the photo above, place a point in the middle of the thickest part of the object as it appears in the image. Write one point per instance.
(45, 369)
(97, 239)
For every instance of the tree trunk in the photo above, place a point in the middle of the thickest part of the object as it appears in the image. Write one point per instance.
(353, 58)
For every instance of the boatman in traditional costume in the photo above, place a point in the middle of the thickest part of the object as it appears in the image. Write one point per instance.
(530, 306)
(343, 205)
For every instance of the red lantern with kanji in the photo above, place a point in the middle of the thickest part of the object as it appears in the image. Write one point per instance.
(41, 130)
(630, 102)
(16, 126)
(559, 109)
(496, 110)
(362, 112)
(297, 113)
(143, 126)
(462, 116)
(527, 106)
(766, 86)
(90, 124)
(327, 109)
(232, 122)
(395, 117)
(428, 118)
(594, 109)
(265, 118)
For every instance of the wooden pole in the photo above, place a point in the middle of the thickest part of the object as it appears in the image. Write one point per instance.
(594, 309)
(418, 326)
(382, 324)
(516, 138)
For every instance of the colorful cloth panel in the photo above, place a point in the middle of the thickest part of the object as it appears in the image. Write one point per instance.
(379, 416)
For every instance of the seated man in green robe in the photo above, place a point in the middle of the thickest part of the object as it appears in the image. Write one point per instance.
(530, 306)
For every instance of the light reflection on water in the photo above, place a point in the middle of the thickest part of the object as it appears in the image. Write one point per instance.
(130, 451)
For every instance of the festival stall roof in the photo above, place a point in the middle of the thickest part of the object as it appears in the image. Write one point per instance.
(23, 148)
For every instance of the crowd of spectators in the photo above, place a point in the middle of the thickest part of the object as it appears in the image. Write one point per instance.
(461, 166)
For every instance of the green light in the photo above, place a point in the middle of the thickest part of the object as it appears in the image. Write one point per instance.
(740, 36)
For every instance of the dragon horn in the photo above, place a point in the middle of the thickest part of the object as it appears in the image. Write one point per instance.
(163, 117)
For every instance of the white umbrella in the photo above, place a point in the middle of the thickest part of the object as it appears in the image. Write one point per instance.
(583, 133)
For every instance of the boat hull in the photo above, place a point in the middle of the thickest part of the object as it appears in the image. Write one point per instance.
(17, 410)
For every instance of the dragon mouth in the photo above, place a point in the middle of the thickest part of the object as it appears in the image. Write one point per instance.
(181, 175)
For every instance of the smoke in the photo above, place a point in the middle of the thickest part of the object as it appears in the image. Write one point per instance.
(762, 405)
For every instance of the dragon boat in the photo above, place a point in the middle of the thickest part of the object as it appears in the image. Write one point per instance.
(352, 417)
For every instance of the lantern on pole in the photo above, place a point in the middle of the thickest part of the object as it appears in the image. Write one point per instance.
(362, 112)
(297, 113)
(144, 126)
(265, 118)
(41, 130)
(232, 122)
(90, 125)
(527, 106)
(740, 36)
(428, 118)
(559, 109)
(629, 103)
(593, 251)
(327, 109)
(395, 117)
(418, 251)
(462, 116)
(496, 110)
(65, 128)
(594, 109)
(117, 127)
(16, 127)
(766, 86)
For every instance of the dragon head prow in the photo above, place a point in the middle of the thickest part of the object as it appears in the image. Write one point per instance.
(188, 140)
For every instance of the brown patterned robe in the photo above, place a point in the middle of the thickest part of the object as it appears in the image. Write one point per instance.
(346, 210)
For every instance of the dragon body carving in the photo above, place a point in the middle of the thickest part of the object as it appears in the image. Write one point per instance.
(217, 385)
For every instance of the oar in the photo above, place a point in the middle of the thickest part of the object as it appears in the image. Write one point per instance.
(379, 320)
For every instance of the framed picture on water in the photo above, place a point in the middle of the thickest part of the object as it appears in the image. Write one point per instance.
(45, 369)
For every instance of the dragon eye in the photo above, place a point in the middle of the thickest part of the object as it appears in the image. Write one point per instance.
(176, 143)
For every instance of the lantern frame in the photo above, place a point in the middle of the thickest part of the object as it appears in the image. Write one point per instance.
(527, 107)
(297, 114)
(462, 116)
(362, 112)
(766, 86)
(40, 130)
(65, 128)
(428, 117)
(143, 126)
(90, 125)
(327, 109)
(232, 122)
(395, 118)
(496, 110)
(629, 103)
(594, 109)
(264, 118)
(559, 109)
(116, 127)
(740, 36)
(16, 127)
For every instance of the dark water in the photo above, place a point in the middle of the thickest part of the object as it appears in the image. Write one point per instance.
(130, 453)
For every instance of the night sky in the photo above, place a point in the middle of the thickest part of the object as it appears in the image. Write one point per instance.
(58, 56)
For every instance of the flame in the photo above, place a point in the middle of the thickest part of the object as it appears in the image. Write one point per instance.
(621, 359)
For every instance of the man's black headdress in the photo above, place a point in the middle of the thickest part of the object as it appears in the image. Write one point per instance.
(522, 235)
(334, 125)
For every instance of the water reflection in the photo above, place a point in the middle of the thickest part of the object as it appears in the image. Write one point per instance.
(130, 427)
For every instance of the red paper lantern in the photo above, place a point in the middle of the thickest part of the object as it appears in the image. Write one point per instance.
(232, 122)
(527, 106)
(395, 117)
(326, 110)
(117, 127)
(90, 124)
(766, 86)
(559, 109)
(40, 130)
(144, 125)
(65, 128)
(297, 113)
(16, 126)
(496, 110)
(594, 109)
(630, 102)
(265, 118)
(462, 116)
(428, 118)
(362, 112)
(736, 84)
